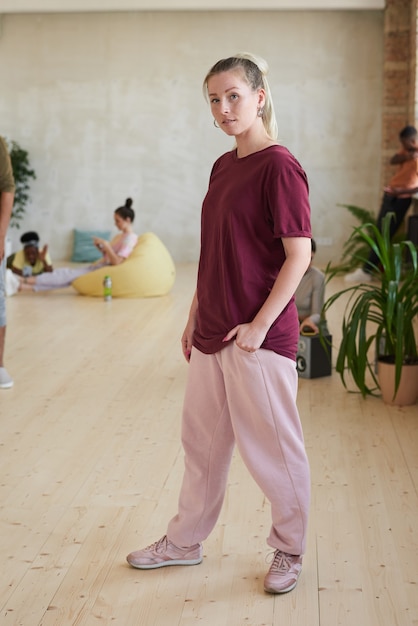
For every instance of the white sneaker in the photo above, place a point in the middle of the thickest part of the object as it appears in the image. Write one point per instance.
(5, 381)
(12, 283)
(358, 276)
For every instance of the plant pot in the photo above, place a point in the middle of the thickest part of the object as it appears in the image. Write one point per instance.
(407, 393)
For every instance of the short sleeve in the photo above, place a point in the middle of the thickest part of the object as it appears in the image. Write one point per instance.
(7, 182)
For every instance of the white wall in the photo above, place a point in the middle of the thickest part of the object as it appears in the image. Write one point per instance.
(110, 105)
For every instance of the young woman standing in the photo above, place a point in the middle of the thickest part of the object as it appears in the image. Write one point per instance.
(242, 332)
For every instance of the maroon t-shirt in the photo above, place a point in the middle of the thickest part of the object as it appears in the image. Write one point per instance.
(250, 205)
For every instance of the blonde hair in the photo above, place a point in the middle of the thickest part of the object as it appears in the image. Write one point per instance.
(255, 71)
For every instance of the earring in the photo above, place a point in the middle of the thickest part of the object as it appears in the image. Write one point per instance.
(260, 111)
(215, 124)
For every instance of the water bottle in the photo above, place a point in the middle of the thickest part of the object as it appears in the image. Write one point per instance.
(107, 288)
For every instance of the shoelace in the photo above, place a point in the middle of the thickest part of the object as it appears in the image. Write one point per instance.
(158, 546)
(281, 562)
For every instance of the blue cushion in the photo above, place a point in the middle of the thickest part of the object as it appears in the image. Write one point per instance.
(84, 250)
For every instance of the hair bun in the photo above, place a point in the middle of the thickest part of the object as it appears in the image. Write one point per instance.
(128, 202)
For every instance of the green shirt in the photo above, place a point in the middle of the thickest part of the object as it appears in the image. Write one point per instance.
(7, 182)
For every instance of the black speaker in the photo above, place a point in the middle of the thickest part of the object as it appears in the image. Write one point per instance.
(314, 359)
(413, 229)
(412, 235)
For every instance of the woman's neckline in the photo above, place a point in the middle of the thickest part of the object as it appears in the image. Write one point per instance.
(246, 156)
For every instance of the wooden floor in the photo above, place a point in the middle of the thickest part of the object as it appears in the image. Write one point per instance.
(91, 465)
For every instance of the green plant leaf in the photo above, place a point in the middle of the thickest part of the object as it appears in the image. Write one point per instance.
(378, 315)
(22, 173)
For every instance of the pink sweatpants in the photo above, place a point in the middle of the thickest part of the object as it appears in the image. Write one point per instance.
(249, 399)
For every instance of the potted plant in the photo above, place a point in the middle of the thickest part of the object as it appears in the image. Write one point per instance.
(379, 317)
(22, 172)
(356, 247)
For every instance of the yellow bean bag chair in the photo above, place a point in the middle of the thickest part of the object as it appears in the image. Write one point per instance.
(148, 271)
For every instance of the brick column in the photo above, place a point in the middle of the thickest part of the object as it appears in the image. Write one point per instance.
(399, 76)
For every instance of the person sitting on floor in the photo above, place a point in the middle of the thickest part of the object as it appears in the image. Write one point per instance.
(310, 296)
(114, 252)
(30, 261)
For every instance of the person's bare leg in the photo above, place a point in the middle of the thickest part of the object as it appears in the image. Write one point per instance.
(26, 285)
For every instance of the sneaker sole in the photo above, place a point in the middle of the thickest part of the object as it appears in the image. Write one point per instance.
(166, 563)
(292, 586)
(6, 386)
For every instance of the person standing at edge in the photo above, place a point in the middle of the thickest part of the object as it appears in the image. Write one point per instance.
(242, 332)
(7, 194)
